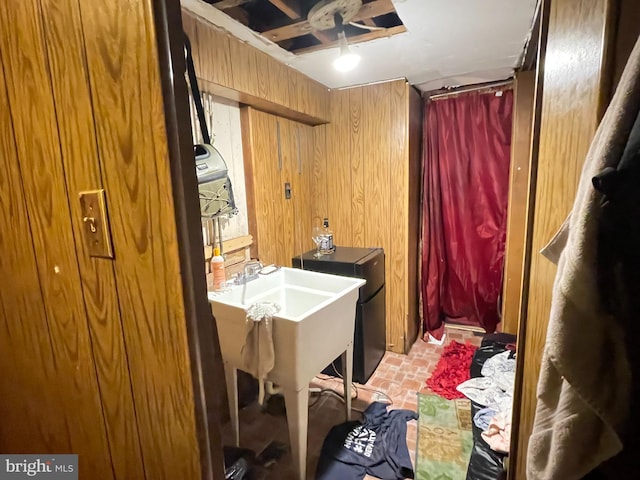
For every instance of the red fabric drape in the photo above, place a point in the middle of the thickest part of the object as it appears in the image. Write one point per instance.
(467, 142)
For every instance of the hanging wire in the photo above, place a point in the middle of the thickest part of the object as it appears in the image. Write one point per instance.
(366, 27)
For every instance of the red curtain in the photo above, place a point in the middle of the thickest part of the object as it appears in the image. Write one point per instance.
(467, 144)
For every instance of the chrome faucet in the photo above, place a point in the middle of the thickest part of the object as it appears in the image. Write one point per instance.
(250, 272)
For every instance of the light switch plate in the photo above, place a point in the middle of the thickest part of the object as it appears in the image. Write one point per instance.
(95, 223)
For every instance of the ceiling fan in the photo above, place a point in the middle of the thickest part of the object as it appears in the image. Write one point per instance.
(328, 14)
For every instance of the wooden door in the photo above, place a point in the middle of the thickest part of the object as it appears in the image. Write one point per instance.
(288, 192)
(303, 193)
(298, 172)
(279, 156)
(300, 176)
(263, 163)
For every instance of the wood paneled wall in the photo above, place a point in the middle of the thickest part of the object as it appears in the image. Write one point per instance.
(134, 161)
(78, 142)
(230, 68)
(519, 184)
(627, 30)
(366, 181)
(30, 401)
(61, 305)
(94, 351)
(575, 82)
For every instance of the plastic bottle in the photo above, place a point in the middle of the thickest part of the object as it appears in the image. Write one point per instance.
(326, 244)
(217, 268)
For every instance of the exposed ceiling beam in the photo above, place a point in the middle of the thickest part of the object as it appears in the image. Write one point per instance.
(374, 9)
(224, 4)
(369, 22)
(323, 37)
(387, 32)
(298, 29)
(290, 9)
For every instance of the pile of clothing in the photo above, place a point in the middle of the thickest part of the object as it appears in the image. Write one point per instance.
(493, 390)
(489, 386)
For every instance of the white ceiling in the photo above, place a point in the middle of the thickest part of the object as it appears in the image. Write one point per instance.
(447, 43)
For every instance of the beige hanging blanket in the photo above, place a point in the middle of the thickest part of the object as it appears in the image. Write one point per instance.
(258, 353)
(584, 385)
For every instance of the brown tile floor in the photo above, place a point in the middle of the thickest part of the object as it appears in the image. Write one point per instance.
(399, 377)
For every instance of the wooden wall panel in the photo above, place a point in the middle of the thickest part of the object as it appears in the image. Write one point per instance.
(265, 86)
(319, 99)
(299, 91)
(414, 217)
(213, 51)
(306, 216)
(33, 114)
(260, 146)
(279, 89)
(398, 209)
(339, 169)
(71, 94)
(368, 185)
(287, 175)
(319, 182)
(125, 89)
(294, 78)
(357, 167)
(302, 198)
(574, 64)
(275, 150)
(517, 216)
(627, 30)
(243, 67)
(249, 131)
(376, 124)
(253, 77)
(29, 395)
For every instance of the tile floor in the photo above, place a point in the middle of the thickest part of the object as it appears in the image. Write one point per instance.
(399, 377)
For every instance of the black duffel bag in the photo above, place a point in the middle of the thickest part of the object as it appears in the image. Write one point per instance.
(485, 463)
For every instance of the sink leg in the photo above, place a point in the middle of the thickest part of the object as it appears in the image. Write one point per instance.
(347, 375)
(231, 378)
(297, 404)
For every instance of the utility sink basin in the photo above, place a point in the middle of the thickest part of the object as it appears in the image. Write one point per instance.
(314, 326)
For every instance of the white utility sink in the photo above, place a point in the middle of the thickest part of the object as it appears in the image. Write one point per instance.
(314, 326)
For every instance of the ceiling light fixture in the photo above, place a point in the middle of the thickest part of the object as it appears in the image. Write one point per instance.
(347, 60)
